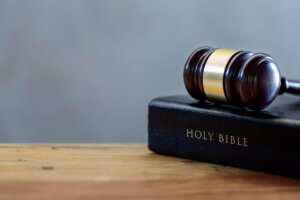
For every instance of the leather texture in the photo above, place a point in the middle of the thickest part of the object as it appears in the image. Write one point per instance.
(273, 135)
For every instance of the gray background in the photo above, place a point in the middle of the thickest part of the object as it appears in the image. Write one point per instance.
(84, 71)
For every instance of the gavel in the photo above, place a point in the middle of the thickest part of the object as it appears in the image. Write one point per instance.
(240, 78)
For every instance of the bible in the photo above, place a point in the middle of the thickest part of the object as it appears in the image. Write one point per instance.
(267, 141)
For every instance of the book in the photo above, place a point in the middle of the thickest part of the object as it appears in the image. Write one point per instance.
(267, 141)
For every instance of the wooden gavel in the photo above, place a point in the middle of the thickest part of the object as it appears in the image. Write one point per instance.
(239, 78)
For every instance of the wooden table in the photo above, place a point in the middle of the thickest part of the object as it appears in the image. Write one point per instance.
(123, 171)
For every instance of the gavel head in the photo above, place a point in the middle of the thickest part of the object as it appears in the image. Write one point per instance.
(239, 78)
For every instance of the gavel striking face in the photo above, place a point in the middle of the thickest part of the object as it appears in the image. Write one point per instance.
(239, 78)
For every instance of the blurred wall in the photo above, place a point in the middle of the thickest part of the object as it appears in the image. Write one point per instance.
(84, 71)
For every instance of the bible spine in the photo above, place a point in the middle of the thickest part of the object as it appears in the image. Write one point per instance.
(204, 134)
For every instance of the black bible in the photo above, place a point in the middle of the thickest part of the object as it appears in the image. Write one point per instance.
(267, 141)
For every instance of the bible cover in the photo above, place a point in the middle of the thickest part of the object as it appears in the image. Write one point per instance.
(267, 141)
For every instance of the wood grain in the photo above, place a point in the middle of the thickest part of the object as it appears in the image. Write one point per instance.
(128, 171)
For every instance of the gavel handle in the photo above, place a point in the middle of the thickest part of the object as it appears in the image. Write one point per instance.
(289, 86)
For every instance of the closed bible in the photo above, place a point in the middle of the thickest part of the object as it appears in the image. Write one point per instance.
(267, 141)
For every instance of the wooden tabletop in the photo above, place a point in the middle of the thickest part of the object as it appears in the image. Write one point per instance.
(127, 171)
